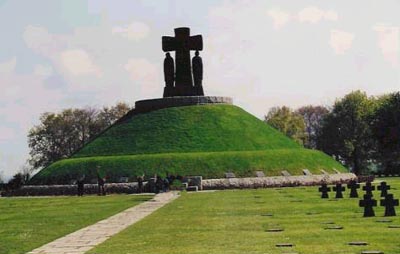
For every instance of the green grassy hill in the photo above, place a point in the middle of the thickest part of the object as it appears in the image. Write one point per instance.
(194, 140)
(208, 128)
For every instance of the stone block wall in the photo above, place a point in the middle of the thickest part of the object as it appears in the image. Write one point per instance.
(275, 181)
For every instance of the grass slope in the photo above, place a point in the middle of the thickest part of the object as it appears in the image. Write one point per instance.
(232, 222)
(209, 165)
(28, 223)
(205, 140)
(206, 128)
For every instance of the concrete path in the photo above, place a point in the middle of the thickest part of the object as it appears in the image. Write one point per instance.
(86, 238)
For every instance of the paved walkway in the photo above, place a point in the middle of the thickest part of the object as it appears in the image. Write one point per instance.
(86, 238)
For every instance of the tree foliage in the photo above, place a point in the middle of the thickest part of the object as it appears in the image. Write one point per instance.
(313, 117)
(288, 122)
(386, 131)
(59, 135)
(346, 131)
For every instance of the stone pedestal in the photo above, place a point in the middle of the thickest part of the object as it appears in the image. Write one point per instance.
(145, 106)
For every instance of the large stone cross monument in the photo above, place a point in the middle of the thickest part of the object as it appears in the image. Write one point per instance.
(183, 78)
(178, 78)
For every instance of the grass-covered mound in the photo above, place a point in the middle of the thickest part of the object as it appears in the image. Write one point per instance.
(195, 140)
(207, 128)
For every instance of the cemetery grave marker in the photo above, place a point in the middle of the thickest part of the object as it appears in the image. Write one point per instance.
(353, 186)
(260, 174)
(371, 252)
(334, 227)
(339, 190)
(368, 188)
(324, 172)
(324, 189)
(230, 175)
(383, 187)
(307, 172)
(389, 203)
(358, 243)
(368, 203)
(285, 173)
(284, 245)
(336, 171)
(394, 226)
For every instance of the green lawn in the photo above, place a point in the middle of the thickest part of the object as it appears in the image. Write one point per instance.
(233, 222)
(27, 223)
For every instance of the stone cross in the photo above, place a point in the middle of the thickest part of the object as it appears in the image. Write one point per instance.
(383, 187)
(353, 186)
(324, 189)
(338, 188)
(389, 203)
(368, 203)
(368, 188)
(182, 43)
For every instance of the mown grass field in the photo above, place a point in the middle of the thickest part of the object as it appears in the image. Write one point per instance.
(27, 223)
(235, 222)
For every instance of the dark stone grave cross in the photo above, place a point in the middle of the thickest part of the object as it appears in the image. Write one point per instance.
(339, 189)
(368, 188)
(383, 187)
(368, 203)
(324, 189)
(353, 186)
(182, 43)
(389, 203)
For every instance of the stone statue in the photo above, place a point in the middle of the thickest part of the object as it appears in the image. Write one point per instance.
(197, 64)
(169, 70)
(182, 44)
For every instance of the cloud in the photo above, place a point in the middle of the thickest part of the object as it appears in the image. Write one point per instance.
(134, 31)
(279, 17)
(388, 42)
(43, 70)
(77, 62)
(314, 14)
(341, 41)
(144, 74)
(8, 66)
(6, 134)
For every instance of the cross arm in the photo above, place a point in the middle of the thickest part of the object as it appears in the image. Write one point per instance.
(168, 43)
(196, 42)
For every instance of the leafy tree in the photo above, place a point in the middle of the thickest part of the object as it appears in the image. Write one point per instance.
(313, 117)
(386, 130)
(288, 122)
(346, 131)
(59, 135)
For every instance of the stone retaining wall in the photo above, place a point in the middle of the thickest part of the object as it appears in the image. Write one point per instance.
(145, 106)
(203, 184)
(57, 190)
(275, 181)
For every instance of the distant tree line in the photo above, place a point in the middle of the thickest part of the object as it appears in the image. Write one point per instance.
(361, 132)
(59, 135)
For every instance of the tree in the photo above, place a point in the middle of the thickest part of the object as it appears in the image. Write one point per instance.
(288, 122)
(386, 131)
(346, 131)
(313, 117)
(59, 135)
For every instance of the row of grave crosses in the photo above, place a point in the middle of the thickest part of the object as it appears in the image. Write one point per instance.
(368, 202)
(178, 77)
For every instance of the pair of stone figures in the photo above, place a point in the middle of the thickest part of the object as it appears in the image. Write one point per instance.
(197, 69)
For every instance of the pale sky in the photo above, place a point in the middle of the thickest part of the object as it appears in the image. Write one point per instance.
(74, 53)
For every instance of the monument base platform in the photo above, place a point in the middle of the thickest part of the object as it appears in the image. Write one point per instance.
(145, 106)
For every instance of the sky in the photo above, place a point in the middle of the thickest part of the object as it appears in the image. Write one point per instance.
(77, 53)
